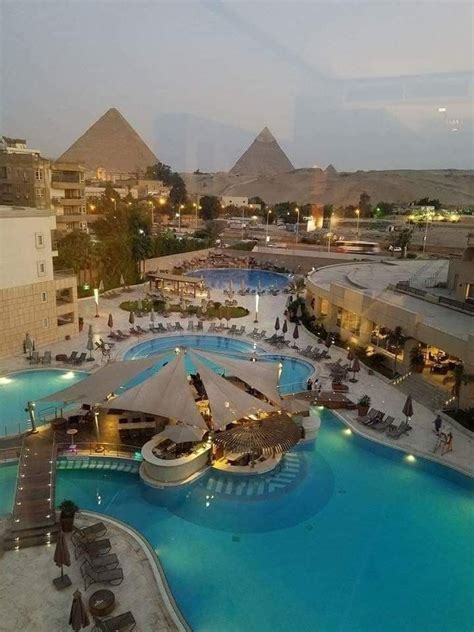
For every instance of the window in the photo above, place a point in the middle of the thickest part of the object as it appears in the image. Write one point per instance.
(45, 323)
(44, 297)
(39, 240)
(41, 268)
(38, 174)
(3, 173)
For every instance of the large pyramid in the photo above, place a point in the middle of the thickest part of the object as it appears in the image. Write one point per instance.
(112, 144)
(264, 157)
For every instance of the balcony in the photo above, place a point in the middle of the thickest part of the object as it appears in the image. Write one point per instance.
(65, 319)
(64, 297)
(68, 177)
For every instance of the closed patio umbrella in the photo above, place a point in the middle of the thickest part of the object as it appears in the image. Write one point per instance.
(78, 618)
(62, 558)
(277, 323)
(299, 312)
(355, 368)
(350, 354)
(110, 322)
(122, 281)
(284, 329)
(131, 318)
(242, 285)
(28, 345)
(140, 305)
(408, 408)
(296, 335)
(90, 345)
(152, 316)
(101, 286)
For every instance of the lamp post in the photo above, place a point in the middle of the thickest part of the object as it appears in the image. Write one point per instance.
(329, 235)
(152, 208)
(267, 239)
(357, 212)
(425, 236)
(257, 299)
(297, 210)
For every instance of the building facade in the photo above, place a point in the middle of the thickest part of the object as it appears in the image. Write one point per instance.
(68, 196)
(34, 298)
(395, 307)
(24, 175)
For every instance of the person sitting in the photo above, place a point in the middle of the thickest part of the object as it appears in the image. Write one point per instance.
(309, 384)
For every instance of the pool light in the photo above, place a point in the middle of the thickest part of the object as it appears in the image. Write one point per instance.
(347, 431)
(5, 380)
(68, 376)
(410, 458)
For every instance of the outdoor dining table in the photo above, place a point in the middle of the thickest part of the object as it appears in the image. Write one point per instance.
(101, 602)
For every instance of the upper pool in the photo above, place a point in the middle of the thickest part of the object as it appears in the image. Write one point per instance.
(220, 278)
(17, 389)
(294, 374)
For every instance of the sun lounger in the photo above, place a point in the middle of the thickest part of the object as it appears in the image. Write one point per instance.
(161, 328)
(88, 534)
(81, 358)
(382, 424)
(93, 548)
(308, 351)
(169, 327)
(232, 330)
(190, 325)
(241, 331)
(253, 333)
(394, 432)
(72, 358)
(47, 357)
(370, 417)
(103, 562)
(121, 623)
(212, 328)
(262, 334)
(177, 326)
(200, 326)
(113, 576)
(35, 357)
(140, 329)
(122, 335)
(272, 339)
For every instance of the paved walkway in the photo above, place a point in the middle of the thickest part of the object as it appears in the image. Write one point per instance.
(31, 603)
(384, 396)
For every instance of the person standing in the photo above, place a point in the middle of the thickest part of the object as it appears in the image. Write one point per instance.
(437, 424)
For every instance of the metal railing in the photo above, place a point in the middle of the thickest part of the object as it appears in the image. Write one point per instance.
(464, 305)
(10, 454)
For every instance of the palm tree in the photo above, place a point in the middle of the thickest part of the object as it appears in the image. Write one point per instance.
(461, 378)
(296, 286)
(396, 339)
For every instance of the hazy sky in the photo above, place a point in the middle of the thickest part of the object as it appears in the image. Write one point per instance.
(357, 84)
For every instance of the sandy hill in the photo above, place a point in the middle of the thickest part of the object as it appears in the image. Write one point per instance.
(451, 186)
(264, 157)
(111, 143)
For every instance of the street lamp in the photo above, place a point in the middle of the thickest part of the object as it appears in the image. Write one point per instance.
(152, 207)
(425, 236)
(357, 212)
(297, 210)
(267, 238)
(329, 235)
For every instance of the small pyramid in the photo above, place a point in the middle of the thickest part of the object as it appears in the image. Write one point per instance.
(264, 157)
(111, 143)
(331, 170)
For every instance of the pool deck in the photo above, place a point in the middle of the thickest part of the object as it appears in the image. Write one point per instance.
(420, 440)
(31, 602)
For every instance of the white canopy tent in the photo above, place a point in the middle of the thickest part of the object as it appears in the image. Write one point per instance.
(182, 433)
(227, 401)
(96, 387)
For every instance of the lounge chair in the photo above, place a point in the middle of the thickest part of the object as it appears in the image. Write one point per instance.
(35, 357)
(272, 339)
(103, 562)
(113, 576)
(262, 334)
(80, 359)
(72, 358)
(88, 534)
(190, 325)
(94, 548)
(140, 329)
(199, 326)
(161, 328)
(232, 330)
(122, 335)
(370, 417)
(47, 357)
(177, 326)
(169, 327)
(134, 331)
(121, 623)
(383, 424)
(241, 331)
(253, 333)
(114, 336)
(308, 351)
(212, 328)
(394, 432)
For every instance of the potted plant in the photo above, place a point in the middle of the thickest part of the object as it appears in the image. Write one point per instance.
(68, 511)
(363, 405)
(417, 360)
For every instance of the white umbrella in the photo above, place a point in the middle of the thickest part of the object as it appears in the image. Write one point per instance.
(90, 345)
(242, 285)
(181, 433)
(28, 344)
(122, 280)
(152, 316)
(101, 286)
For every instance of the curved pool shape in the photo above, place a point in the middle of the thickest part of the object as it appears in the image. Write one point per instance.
(346, 536)
(294, 374)
(221, 277)
(16, 389)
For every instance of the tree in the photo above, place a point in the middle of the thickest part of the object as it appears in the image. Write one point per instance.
(210, 207)
(257, 200)
(384, 208)
(161, 172)
(172, 179)
(365, 206)
(75, 250)
(210, 232)
(402, 239)
(396, 338)
(461, 378)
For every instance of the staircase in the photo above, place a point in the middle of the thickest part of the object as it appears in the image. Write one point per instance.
(34, 517)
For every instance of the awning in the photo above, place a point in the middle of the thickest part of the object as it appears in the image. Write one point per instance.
(97, 386)
(182, 433)
(227, 401)
(166, 393)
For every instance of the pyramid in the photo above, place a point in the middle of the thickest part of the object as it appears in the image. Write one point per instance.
(264, 157)
(113, 144)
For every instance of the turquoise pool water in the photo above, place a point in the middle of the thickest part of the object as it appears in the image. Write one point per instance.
(16, 389)
(347, 537)
(255, 279)
(294, 375)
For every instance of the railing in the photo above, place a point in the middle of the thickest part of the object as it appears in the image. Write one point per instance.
(10, 454)
(98, 449)
(469, 307)
(13, 430)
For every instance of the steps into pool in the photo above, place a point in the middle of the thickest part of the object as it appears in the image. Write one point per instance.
(99, 463)
(286, 476)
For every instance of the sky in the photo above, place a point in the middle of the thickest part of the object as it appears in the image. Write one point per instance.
(360, 85)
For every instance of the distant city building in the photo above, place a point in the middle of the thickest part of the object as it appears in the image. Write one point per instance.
(24, 175)
(34, 299)
(236, 200)
(68, 196)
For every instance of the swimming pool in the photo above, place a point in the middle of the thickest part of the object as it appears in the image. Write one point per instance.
(16, 389)
(294, 374)
(347, 536)
(255, 279)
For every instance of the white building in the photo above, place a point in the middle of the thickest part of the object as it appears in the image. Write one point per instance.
(34, 298)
